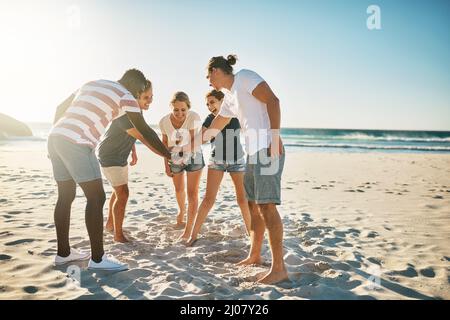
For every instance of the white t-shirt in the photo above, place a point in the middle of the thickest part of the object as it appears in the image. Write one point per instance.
(182, 135)
(252, 114)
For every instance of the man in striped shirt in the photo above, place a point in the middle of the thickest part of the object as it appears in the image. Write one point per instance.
(79, 123)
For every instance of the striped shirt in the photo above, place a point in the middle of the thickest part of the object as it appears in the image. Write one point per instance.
(95, 105)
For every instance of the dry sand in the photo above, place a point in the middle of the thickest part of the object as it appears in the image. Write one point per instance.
(348, 217)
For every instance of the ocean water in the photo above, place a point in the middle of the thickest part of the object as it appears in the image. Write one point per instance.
(355, 140)
(318, 140)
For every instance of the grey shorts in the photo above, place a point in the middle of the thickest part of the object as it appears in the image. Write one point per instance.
(72, 161)
(262, 179)
(226, 166)
(195, 163)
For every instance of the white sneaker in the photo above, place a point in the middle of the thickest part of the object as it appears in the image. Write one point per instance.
(107, 263)
(73, 256)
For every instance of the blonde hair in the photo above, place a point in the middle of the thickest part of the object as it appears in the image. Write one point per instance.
(181, 97)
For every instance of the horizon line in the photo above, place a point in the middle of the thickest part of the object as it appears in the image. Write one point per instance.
(312, 128)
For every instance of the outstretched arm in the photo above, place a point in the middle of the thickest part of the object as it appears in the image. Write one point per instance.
(206, 134)
(137, 135)
(169, 173)
(148, 134)
(61, 109)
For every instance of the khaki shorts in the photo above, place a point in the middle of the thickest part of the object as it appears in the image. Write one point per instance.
(117, 176)
(262, 179)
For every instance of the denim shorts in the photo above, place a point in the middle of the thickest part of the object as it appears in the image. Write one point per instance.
(195, 163)
(227, 166)
(262, 179)
(71, 161)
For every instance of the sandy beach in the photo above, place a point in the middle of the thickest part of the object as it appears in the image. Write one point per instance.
(348, 217)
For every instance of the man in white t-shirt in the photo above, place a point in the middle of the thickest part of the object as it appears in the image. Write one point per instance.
(249, 98)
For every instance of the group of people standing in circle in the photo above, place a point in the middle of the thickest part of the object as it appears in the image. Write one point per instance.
(96, 128)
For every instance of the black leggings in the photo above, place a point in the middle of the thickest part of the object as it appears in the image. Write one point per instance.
(95, 196)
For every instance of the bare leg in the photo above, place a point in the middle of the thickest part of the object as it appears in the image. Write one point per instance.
(110, 222)
(120, 204)
(274, 225)
(257, 229)
(178, 182)
(212, 187)
(66, 195)
(193, 182)
(238, 180)
(95, 195)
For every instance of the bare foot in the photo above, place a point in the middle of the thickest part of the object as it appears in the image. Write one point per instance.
(109, 227)
(183, 238)
(249, 261)
(191, 241)
(274, 277)
(180, 217)
(180, 225)
(121, 238)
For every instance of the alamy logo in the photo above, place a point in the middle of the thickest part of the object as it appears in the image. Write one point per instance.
(73, 13)
(374, 281)
(74, 272)
(374, 19)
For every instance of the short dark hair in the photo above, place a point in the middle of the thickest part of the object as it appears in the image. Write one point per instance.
(134, 81)
(226, 65)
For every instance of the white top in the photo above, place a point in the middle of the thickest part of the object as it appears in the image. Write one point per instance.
(252, 114)
(181, 135)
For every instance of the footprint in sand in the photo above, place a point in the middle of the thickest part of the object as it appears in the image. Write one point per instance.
(372, 234)
(375, 260)
(409, 272)
(30, 289)
(428, 272)
(21, 241)
(15, 212)
(292, 259)
(339, 233)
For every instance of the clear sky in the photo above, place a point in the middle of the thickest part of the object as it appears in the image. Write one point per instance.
(328, 69)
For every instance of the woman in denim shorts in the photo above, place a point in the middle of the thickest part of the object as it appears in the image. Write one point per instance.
(227, 155)
(177, 128)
